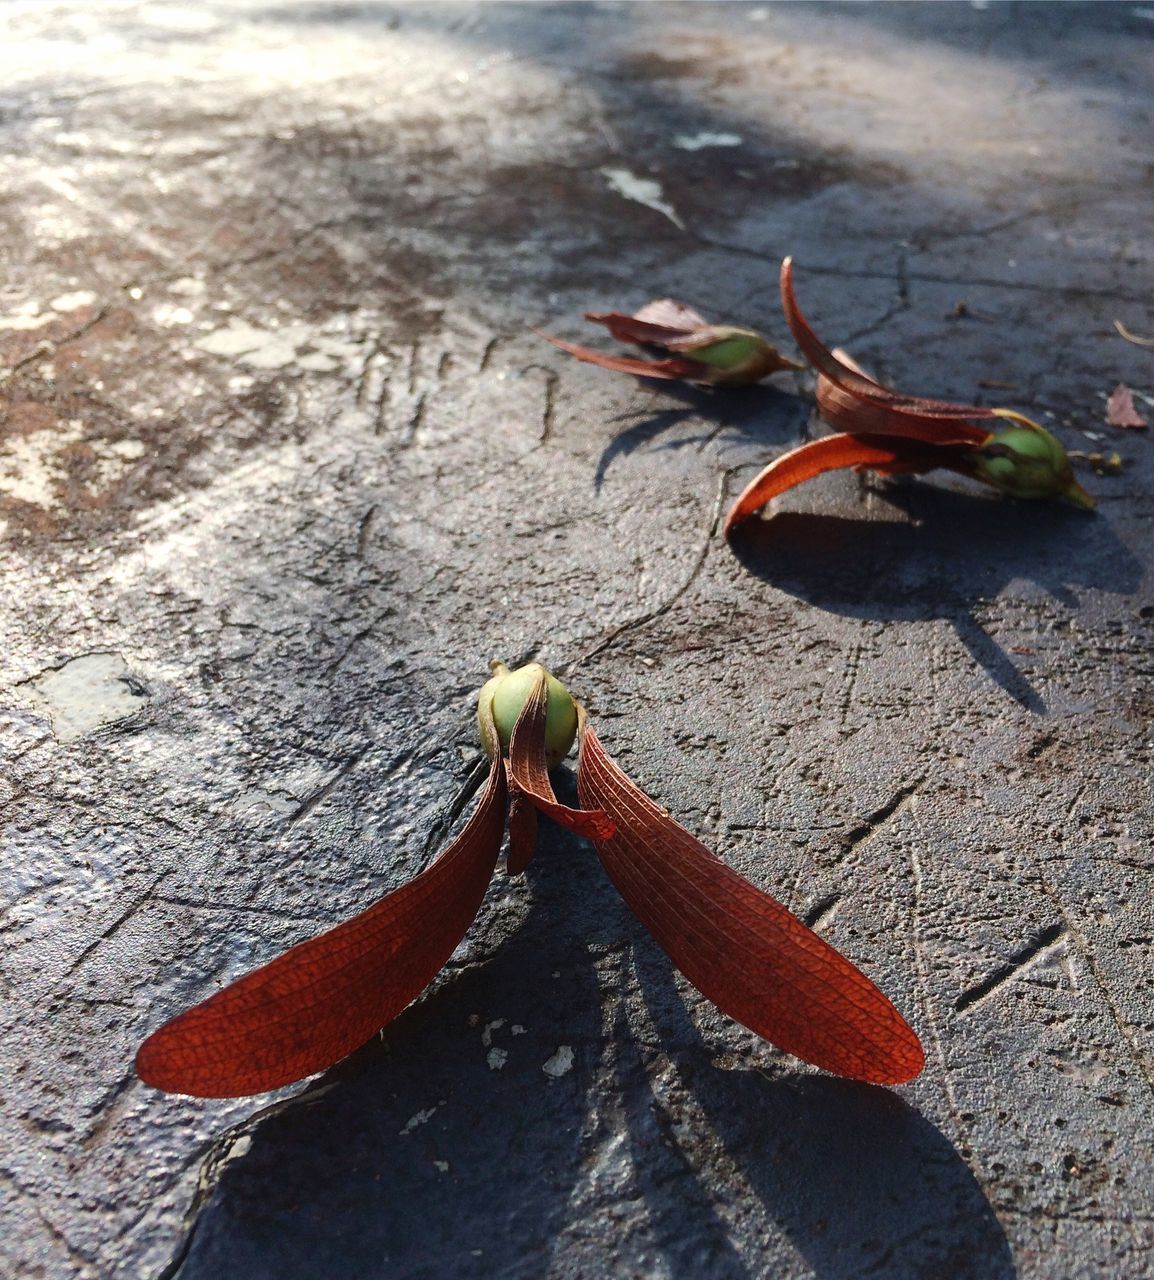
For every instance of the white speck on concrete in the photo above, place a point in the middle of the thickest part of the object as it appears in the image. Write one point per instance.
(186, 19)
(262, 348)
(25, 472)
(87, 692)
(490, 1027)
(73, 301)
(299, 345)
(415, 1122)
(496, 1058)
(560, 1064)
(188, 287)
(33, 467)
(517, 1029)
(317, 362)
(258, 803)
(166, 314)
(25, 317)
(128, 450)
(441, 1166)
(643, 191)
(699, 141)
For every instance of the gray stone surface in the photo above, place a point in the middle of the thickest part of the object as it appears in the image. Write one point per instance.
(282, 467)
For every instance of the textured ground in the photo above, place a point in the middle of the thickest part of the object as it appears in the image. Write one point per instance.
(282, 467)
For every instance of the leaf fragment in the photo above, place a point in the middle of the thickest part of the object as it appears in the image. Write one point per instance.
(1121, 410)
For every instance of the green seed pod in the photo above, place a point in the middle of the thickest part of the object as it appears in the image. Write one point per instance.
(1026, 461)
(505, 694)
(740, 356)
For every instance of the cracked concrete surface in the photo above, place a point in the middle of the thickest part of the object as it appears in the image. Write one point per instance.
(282, 466)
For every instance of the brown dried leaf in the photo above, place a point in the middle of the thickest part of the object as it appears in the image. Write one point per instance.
(1121, 411)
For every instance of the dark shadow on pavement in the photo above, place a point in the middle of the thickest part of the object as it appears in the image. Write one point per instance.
(422, 1154)
(762, 415)
(944, 554)
(860, 1183)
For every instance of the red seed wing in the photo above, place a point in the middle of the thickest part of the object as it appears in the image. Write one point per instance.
(738, 946)
(522, 833)
(833, 453)
(848, 412)
(529, 773)
(849, 377)
(322, 999)
(647, 332)
(673, 369)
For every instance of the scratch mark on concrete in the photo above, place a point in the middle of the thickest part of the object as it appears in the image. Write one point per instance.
(645, 619)
(853, 667)
(49, 347)
(873, 824)
(122, 919)
(488, 352)
(922, 965)
(110, 1112)
(549, 409)
(1017, 964)
(441, 828)
(231, 908)
(364, 531)
(310, 803)
(415, 423)
(1125, 1029)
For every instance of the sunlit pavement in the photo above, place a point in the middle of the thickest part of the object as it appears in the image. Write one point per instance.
(283, 465)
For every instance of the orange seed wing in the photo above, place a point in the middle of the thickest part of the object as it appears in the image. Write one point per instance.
(832, 453)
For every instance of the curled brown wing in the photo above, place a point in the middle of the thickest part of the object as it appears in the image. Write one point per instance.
(833, 453)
